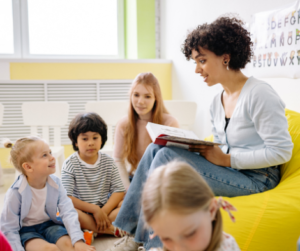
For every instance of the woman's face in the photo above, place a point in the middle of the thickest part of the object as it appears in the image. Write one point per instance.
(181, 232)
(143, 100)
(210, 66)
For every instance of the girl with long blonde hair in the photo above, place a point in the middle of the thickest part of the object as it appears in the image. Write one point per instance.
(181, 209)
(131, 137)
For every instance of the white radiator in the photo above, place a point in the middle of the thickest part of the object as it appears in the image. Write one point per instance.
(76, 92)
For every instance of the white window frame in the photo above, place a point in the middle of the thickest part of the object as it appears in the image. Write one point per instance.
(21, 36)
(16, 31)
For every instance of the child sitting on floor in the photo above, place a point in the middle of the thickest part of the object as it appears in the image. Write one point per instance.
(181, 209)
(91, 178)
(28, 219)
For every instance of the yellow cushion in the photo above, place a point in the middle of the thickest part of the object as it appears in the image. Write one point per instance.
(271, 220)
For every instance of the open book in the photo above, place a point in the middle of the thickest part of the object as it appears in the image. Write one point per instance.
(171, 136)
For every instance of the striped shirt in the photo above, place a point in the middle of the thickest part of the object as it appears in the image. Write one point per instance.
(89, 183)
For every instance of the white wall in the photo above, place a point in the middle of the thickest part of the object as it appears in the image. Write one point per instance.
(4, 71)
(179, 16)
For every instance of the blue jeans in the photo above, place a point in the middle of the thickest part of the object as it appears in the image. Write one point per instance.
(48, 231)
(224, 181)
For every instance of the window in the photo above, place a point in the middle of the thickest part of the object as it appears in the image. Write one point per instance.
(62, 28)
(6, 28)
(9, 29)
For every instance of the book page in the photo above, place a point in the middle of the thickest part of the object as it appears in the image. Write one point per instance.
(188, 141)
(156, 130)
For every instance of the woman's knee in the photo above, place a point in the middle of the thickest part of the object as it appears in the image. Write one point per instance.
(153, 148)
(165, 155)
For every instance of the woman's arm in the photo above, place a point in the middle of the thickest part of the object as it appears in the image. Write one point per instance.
(169, 120)
(118, 153)
(267, 113)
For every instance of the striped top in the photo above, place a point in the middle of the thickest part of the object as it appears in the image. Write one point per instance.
(91, 183)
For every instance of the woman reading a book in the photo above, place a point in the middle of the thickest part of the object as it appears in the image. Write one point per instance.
(248, 119)
(131, 136)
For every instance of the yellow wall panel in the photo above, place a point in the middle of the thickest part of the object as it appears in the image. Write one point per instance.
(4, 158)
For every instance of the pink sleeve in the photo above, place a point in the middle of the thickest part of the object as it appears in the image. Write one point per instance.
(4, 243)
(118, 142)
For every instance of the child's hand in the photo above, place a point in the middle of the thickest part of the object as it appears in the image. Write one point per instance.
(101, 219)
(81, 246)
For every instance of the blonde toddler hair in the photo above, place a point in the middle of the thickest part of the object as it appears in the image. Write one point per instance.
(179, 188)
(21, 151)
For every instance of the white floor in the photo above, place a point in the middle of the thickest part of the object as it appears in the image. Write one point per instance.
(101, 243)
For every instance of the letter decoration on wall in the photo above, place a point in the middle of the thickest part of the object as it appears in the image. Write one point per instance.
(276, 42)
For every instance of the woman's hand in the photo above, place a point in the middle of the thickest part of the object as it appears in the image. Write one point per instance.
(213, 154)
(81, 246)
(101, 219)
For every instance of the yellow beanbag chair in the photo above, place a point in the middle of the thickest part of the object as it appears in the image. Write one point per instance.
(271, 220)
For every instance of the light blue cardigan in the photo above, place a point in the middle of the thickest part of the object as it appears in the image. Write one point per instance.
(257, 133)
(17, 204)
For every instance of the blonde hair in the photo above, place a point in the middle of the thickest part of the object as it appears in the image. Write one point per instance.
(130, 135)
(21, 151)
(179, 188)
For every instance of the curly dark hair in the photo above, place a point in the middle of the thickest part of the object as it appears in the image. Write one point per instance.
(87, 122)
(226, 35)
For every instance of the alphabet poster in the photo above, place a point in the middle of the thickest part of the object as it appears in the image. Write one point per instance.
(276, 42)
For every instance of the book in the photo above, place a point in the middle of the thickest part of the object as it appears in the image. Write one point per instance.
(171, 136)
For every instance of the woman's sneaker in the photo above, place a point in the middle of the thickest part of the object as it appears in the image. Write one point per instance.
(127, 243)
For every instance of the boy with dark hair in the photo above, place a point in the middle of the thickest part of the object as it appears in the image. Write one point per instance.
(90, 176)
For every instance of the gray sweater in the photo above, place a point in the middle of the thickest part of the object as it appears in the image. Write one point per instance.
(257, 133)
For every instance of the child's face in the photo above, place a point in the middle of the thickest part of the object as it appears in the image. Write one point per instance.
(181, 232)
(43, 163)
(89, 143)
(143, 99)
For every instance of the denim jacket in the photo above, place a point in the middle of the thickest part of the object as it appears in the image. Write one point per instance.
(17, 204)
